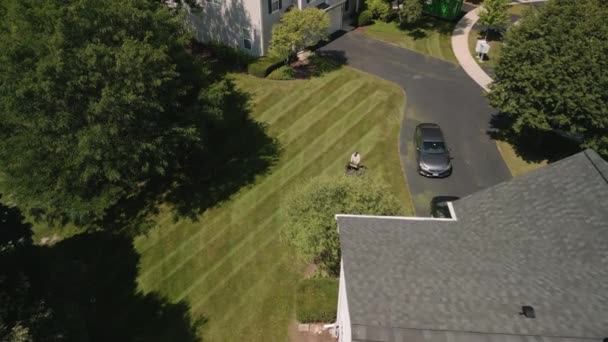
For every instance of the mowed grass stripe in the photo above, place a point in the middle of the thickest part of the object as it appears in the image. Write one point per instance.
(320, 145)
(284, 171)
(175, 267)
(196, 303)
(224, 259)
(194, 257)
(337, 107)
(335, 121)
(249, 272)
(161, 232)
(289, 102)
(250, 289)
(276, 97)
(224, 218)
(173, 251)
(323, 104)
(270, 180)
(270, 97)
(245, 299)
(256, 233)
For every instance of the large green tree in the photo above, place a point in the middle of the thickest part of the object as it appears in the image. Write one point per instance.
(309, 212)
(297, 30)
(553, 72)
(97, 98)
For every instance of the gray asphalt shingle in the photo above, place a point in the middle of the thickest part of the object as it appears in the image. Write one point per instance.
(540, 239)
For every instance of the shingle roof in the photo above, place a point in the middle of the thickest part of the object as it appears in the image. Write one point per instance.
(540, 239)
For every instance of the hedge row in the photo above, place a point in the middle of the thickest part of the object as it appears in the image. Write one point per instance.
(317, 300)
(263, 66)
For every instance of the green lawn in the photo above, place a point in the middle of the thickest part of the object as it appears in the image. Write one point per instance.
(431, 36)
(516, 164)
(491, 60)
(230, 266)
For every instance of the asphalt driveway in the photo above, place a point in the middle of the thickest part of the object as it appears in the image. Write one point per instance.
(438, 92)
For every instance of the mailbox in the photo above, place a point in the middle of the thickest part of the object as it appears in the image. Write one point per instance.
(482, 48)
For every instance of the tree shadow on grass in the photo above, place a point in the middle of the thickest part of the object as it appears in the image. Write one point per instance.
(236, 150)
(319, 64)
(532, 146)
(211, 178)
(429, 24)
(87, 285)
(417, 34)
(91, 283)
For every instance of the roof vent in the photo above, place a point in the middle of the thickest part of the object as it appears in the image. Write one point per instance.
(527, 311)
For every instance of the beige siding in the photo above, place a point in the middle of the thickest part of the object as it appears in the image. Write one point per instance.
(224, 21)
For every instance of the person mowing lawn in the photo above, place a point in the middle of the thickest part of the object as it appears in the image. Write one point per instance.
(354, 166)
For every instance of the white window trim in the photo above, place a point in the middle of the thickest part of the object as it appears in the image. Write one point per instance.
(247, 37)
(272, 2)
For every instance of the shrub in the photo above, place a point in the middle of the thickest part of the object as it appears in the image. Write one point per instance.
(317, 300)
(410, 12)
(285, 72)
(263, 66)
(365, 18)
(297, 30)
(322, 65)
(230, 56)
(380, 9)
(308, 212)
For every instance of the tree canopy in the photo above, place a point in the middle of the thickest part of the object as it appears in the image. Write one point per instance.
(493, 15)
(553, 72)
(309, 213)
(410, 12)
(381, 9)
(298, 29)
(97, 99)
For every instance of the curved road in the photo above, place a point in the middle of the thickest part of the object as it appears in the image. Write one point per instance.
(439, 92)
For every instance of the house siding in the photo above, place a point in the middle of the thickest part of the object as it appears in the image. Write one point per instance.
(269, 19)
(224, 22)
(343, 316)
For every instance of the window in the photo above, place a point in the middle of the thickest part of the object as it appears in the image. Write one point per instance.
(214, 1)
(433, 147)
(274, 5)
(247, 38)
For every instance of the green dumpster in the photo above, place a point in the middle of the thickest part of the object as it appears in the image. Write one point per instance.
(446, 9)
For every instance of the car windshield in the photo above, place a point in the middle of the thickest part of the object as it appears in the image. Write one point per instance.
(433, 147)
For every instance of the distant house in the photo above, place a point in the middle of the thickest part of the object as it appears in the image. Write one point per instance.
(523, 261)
(247, 24)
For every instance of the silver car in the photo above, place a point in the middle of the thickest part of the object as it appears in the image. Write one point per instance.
(432, 153)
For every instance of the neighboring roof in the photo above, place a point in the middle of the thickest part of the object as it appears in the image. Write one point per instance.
(540, 239)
